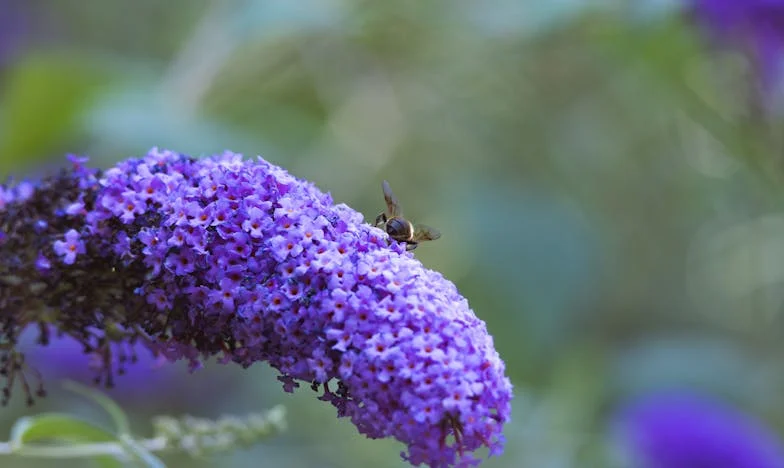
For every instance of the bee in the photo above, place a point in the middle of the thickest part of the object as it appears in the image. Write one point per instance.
(398, 227)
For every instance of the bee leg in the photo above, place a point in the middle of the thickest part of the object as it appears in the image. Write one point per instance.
(380, 219)
(411, 246)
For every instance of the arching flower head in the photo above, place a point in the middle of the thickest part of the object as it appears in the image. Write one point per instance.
(221, 256)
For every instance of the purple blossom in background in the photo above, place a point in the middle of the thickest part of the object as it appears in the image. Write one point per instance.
(682, 430)
(144, 377)
(754, 26)
(145, 383)
(238, 259)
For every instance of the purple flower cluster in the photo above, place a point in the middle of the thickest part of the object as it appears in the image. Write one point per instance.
(755, 26)
(683, 430)
(196, 258)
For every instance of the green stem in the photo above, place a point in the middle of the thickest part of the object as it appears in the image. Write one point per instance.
(114, 449)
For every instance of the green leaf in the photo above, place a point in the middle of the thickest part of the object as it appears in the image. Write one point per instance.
(57, 427)
(117, 414)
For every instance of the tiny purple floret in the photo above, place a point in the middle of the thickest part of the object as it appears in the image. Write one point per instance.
(69, 248)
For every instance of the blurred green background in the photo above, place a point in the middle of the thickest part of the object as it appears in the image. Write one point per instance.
(605, 203)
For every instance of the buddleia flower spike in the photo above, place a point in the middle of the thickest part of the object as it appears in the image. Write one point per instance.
(225, 257)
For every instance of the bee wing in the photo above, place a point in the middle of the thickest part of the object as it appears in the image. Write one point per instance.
(393, 207)
(423, 233)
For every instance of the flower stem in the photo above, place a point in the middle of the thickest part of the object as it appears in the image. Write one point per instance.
(71, 450)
